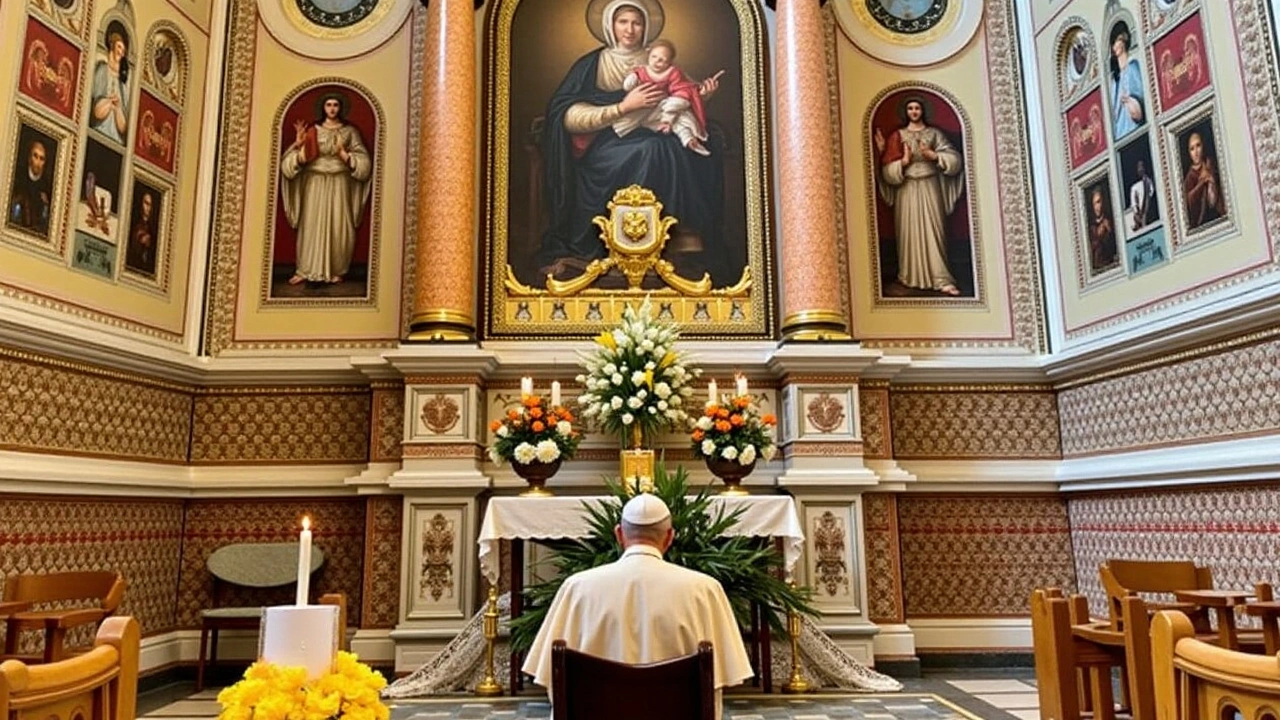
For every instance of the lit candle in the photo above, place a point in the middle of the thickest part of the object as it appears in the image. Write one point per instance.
(742, 385)
(304, 562)
(555, 393)
(712, 397)
(526, 387)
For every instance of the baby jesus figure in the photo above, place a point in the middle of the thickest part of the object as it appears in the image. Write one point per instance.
(680, 111)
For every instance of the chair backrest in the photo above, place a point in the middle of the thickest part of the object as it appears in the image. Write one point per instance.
(1124, 578)
(106, 588)
(102, 684)
(585, 687)
(260, 565)
(1196, 680)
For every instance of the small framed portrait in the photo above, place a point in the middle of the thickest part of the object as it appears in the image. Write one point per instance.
(144, 235)
(98, 192)
(1139, 190)
(36, 176)
(1200, 189)
(1100, 254)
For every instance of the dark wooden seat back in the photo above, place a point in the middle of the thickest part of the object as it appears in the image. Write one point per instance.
(586, 687)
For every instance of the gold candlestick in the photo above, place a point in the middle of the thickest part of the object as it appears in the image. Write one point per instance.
(489, 686)
(796, 684)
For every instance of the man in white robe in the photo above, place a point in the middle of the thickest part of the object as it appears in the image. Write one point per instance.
(642, 609)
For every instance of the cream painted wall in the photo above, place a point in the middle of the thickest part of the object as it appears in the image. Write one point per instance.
(42, 277)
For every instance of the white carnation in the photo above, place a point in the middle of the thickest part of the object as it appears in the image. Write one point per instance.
(627, 419)
(547, 451)
(580, 379)
(646, 346)
(748, 455)
(617, 378)
(634, 403)
(637, 377)
(610, 369)
(642, 393)
(653, 410)
(768, 452)
(495, 456)
(621, 338)
(709, 447)
(729, 453)
(662, 404)
(662, 390)
(525, 453)
(704, 423)
(503, 431)
(564, 427)
(651, 365)
(615, 402)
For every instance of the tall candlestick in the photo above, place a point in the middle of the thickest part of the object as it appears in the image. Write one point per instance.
(712, 396)
(304, 562)
(526, 387)
(555, 393)
(742, 385)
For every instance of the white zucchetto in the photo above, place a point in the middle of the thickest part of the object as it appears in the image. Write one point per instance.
(645, 509)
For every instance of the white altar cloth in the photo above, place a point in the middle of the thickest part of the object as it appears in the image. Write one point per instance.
(546, 518)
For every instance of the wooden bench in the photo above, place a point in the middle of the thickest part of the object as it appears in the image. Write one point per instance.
(1197, 680)
(105, 590)
(101, 684)
(253, 565)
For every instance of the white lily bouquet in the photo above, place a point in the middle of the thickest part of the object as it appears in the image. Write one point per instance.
(636, 382)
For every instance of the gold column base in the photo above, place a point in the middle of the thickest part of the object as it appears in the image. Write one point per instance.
(442, 326)
(797, 685)
(815, 326)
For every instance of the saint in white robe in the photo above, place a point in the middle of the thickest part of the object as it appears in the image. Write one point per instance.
(642, 609)
(922, 193)
(324, 200)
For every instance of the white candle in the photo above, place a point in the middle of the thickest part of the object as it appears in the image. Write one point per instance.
(742, 385)
(712, 397)
(526, 387)
(555, 393)
(304, 562)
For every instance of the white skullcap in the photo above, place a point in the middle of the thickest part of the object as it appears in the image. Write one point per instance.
(645, 509)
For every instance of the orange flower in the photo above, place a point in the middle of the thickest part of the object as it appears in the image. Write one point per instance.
(722, 413)
(551, 419)
(535, 412)
(493, 426)
(712, 409)
(538, 426)
(769, 419)
(566, 415)
(723, 426)
(741, 402)
(513, 414)
(698, 435)
(736, 420)
(532, 401)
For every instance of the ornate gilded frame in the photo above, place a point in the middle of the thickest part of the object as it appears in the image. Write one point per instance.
(510, 315)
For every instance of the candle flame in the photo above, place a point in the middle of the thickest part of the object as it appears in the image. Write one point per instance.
(306, 522)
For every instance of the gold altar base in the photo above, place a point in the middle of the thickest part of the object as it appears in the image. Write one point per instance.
(637, 462)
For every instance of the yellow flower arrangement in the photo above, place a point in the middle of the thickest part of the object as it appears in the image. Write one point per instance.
(349, 691)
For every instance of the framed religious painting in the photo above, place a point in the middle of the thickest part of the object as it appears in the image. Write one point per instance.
(38, 164)
(50, 69)
(627, 154)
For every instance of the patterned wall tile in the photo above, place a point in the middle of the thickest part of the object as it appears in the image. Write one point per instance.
(141, 539)
(50, 406)
(339, 526)
(321, 425)
(387, 423)
(873, 404)
(1003, 422)
(383, 515)
(1222, 395)
(981, 555)
(884, 563)
(1234, 530)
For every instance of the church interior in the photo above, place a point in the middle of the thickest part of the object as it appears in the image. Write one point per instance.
(995, 268)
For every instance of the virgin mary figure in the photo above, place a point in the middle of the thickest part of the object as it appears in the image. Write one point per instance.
(586, 160)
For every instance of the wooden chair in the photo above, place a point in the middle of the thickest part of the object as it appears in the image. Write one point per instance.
(1073, 659)
(585, 687)
(1269, 610)
(101, 684)
(1197, 680)
(105, 590)
(252, 565)
(1124, 578)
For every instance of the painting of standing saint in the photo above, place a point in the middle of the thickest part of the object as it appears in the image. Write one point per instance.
(922, 201)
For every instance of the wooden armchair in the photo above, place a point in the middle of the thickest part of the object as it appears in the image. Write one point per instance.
(101, 684)
(1197, 680)
(585, 687)
(104, 589)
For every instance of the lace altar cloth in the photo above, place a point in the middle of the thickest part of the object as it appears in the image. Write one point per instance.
(460, 666)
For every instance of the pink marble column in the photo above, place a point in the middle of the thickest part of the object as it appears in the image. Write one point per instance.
(444, 297)
(811, 307)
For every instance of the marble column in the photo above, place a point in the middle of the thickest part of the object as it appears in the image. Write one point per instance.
(444, 297)
(811, 307)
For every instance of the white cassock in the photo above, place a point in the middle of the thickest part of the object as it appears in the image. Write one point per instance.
(642, 609)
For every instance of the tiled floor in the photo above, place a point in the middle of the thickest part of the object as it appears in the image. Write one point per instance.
(952, 695)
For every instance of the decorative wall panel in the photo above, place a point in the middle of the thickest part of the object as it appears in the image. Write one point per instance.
(1234, 530)
(55, 407)
(309, 425)
(1016, 421)
(981, 555)
(884, 563)
(873, 405)
(338, 526)
(1209, 396)
(387, 419)
(383, 532)
(141, 539)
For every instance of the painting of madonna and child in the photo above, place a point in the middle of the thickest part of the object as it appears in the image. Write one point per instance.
(609, 93)
(922, 200)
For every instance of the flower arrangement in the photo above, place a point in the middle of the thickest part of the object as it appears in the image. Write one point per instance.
(349, 691)
(734, 429)
(636, 383)
(534, 432)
